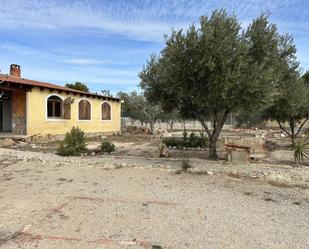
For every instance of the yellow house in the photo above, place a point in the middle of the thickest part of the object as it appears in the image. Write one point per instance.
(29, 107)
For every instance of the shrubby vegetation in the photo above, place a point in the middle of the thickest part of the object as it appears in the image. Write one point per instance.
(74, 143)
(107, 146)
(185, 165)
(191, 141)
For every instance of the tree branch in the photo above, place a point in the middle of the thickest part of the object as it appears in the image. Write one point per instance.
(205, 126)
(220, 123)
(146, 113)
(301, 126)
(282, 128)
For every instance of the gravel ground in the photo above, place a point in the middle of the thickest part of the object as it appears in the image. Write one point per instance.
(74, 203)
(278, 174)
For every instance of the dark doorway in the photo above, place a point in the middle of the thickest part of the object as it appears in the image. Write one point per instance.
(1, 116)
(5, 112)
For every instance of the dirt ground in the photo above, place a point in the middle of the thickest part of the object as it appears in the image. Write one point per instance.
(78, 205)
(140, 201)
(141, 145)
(132, 145)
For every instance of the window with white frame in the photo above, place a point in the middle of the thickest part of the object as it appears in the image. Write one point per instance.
(106, 111)
(54, 107)
(84, 110)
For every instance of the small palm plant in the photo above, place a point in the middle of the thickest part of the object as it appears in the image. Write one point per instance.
(300, 151)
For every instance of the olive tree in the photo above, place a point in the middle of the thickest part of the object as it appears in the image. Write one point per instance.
(138, 108)
(290, 107)
(214, 69)
(291, 104)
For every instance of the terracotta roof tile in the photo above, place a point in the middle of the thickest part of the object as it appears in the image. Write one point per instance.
(18, 80)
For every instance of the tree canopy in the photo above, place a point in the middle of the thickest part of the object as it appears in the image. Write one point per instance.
(306, 78)
(291, 107)
(130, 101)
(138, 108)
(106, 93)
(78, 86)
(217, 68)
(291, 104)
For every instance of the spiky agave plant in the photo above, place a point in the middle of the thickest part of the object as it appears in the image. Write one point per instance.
(300, 152)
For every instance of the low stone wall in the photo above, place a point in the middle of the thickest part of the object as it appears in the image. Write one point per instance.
(11, 140)
(55, 138)
(256, 144)
(6, 142)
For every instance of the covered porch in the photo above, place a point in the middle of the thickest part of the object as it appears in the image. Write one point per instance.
(12, 111)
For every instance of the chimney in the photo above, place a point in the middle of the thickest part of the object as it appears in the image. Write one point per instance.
(15, 70)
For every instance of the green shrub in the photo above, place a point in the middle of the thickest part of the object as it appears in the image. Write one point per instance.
(74, 143)
(194, 141)
(185, 138)
(107, 147)
(204, 139)
(173, 142)
(191, 141)
(185, 165)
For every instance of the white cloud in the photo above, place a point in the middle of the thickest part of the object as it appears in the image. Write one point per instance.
(18, 48)
(146, 20)
(85, 61)
(94, 75)
(74, 14)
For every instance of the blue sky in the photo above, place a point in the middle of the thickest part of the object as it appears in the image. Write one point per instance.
(105, 43)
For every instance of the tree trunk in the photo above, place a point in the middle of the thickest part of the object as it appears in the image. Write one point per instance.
(171, 124)
(214, 134)
(292, 129)
(293, 140)
(213, 149)
(151, 127)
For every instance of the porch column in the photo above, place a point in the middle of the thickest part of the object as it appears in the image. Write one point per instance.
(19, 112)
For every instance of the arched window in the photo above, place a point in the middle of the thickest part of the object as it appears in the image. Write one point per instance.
(54, 107)
(106, 111)
(84, 110)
